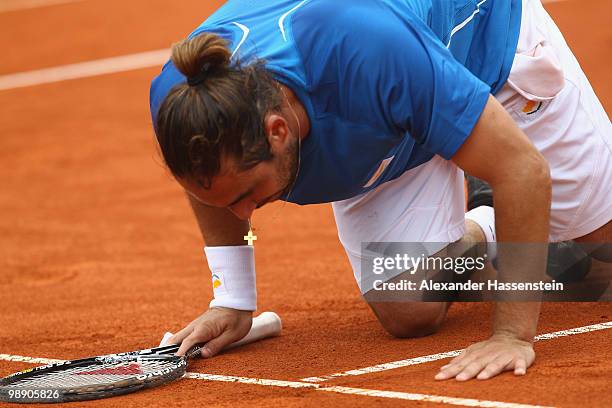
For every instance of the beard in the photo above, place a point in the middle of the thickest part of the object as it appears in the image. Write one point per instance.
(288, 167)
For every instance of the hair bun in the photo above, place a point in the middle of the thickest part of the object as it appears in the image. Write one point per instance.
(200, 56)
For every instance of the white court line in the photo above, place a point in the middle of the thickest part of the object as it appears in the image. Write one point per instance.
(14, 5)
(85, 69)
(433, 357)
(467, 402)
(310, 383)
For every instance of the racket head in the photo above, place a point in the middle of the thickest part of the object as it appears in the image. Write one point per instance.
(94, 378)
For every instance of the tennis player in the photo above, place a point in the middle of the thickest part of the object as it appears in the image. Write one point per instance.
(379, 107)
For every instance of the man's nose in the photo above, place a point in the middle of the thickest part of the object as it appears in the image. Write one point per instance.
(244, 209)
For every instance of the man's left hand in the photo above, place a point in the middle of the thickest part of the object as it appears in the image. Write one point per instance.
(490, 357)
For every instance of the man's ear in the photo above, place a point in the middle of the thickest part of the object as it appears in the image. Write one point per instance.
(277, 131)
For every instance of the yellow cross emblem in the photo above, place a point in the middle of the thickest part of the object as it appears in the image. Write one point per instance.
(250, 237)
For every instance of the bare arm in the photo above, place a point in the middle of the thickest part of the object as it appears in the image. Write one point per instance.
(498, 152)
(219, 226)
(217, 327)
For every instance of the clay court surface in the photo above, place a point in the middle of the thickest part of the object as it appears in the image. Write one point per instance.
(100, 253)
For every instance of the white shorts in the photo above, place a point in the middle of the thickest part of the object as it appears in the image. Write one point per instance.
(551, 100)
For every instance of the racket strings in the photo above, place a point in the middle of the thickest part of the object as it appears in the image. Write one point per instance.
(95, 374)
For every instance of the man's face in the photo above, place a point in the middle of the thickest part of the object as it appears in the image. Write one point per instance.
(243, 191)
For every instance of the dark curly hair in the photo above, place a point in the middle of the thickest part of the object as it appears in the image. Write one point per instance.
(218, 113)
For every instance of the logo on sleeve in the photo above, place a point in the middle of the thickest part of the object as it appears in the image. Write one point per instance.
(245, 34)
(281, 20)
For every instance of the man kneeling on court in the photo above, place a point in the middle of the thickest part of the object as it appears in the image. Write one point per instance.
(378, 108)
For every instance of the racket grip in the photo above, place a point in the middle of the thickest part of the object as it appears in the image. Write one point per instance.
(267, 324)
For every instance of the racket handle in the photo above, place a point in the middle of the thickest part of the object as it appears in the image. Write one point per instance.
(267, 324)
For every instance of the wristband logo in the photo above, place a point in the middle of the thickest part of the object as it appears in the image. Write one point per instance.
(216, 281)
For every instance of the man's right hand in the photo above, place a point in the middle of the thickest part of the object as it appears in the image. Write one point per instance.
(215, 329)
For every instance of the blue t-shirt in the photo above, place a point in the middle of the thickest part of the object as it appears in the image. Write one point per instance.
(387, 84)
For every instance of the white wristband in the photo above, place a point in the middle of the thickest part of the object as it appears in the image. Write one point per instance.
(233, 276)
(484, 216)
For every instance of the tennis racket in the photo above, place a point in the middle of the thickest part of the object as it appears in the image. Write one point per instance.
(114, 374)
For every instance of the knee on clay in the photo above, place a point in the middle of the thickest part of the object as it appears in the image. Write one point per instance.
(409, 320)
